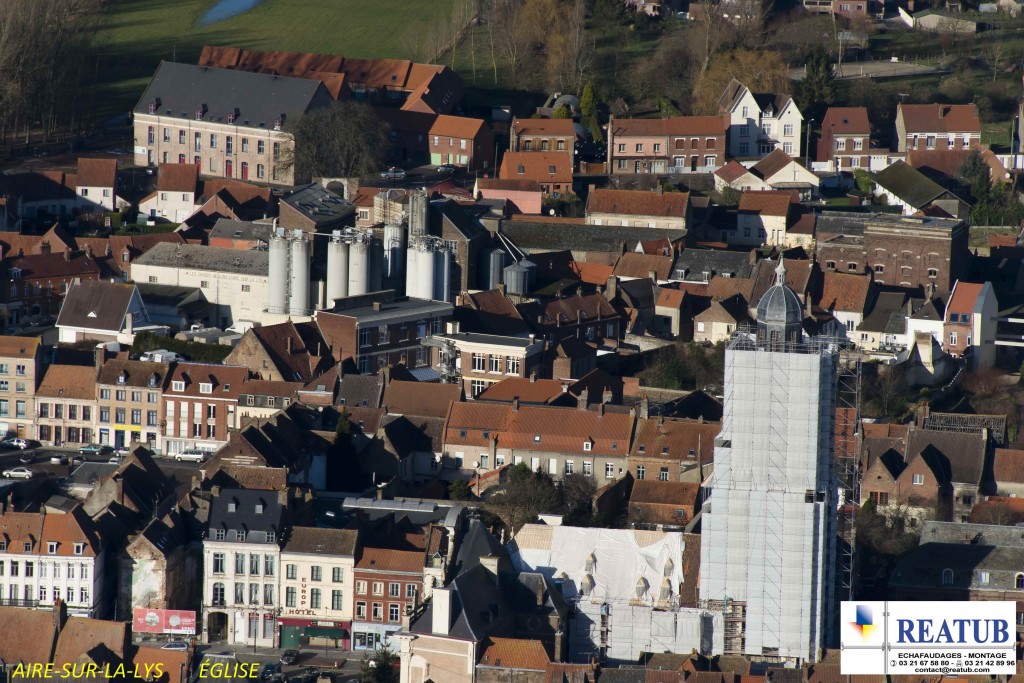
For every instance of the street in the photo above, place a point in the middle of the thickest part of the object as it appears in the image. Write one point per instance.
(43, 469)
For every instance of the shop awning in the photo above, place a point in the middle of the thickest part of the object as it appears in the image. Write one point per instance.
(324, 632)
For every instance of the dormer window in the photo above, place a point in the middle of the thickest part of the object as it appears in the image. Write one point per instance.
(122, 377)
(178, 385)
(231, 117)
(152, 107)
(199, 113)
(588, 445)
(259, 508)
(152, 381)
(277, 124)
(205, 388)
(231, 507)
(79, 548)
(642, 449)
(51, 548)
(536, 438)
(28, 546)
(240, 535)
(3, 546)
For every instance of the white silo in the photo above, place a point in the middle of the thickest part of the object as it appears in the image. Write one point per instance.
(337, 268)
(442, 262)
(358, 267)
(419, 214)
(277, 287)
(298, 299)
(490, 267)
(394, 250)
(424, 282)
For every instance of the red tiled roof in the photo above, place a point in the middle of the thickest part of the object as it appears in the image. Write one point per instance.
(28, 635)
(19, 347)
(508, 184)
(420, 399)
(544, 167)
(553, 127)
(69, 381)
(81, 635)
(768, 202)
(939, 118)
(1008, 465)
(670, 298)
(527, 391)
(566, 429)
(677, 125)
(674, 438)
(97, 173)
(774, 162)
(655, 492)
(475, 418)
(457, 127)
(732, 171)
(844, 292)
(965, 294)
(593, 273)
(385, 559)
(847, 120)
(514, 653)
(177, 178)
(639, 266)
(638, 203)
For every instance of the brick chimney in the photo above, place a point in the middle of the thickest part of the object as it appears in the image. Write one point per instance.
(60, 614)
(67, 253)
(515, 404)
(288, 345)
(583, 400)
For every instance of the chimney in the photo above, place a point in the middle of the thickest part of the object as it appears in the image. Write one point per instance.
(583, 400)
(442, 608)
(645, 407)
(942, 111)
(501, 288)
(100, 356)
(129, 324)
(515, 404)
(611, 289)
(67, 253)
(490, 563)
(533, 377)
(288, 345)
(600, 410)
(606, 397)
(60, 614)
(652, 276)
(282, 497)
(377, 306)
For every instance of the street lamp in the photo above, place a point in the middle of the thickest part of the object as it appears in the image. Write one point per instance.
(807, 145)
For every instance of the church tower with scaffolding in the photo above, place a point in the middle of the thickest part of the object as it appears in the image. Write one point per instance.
(768, 531)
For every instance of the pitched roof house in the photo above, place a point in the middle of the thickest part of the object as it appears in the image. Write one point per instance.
(552, 170)
(638, 208)
(937, 126)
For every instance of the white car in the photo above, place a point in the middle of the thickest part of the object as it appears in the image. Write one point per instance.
(192, 454)
(18, 473)
(21, 444)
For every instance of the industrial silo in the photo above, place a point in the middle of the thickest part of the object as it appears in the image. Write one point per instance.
(376, 264)
(277, 287)
(419, 214)
(394, 250)
(519, 277)
(425, 271)
(490, 267)
(442, 274)
(359, 267)
(337, 268)
(298, 300)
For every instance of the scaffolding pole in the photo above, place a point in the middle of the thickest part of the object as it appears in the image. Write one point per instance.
(847, 472)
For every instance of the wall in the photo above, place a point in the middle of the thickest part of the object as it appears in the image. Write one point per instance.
(223, 290)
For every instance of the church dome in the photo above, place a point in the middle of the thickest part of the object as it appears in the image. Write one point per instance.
(779, 312)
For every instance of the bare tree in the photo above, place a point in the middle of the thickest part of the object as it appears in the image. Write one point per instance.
(513, 41)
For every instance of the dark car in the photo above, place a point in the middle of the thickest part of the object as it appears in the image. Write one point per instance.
(289, 656)
(95, 449)
(269, 669)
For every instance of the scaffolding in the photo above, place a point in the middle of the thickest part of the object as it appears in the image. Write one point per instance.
(847, 473)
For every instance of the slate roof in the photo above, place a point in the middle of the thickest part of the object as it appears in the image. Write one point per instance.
(244, 515)
(887, 315)
(490, 312)
(199, 257)
(771, 164)
(959, 456)
(96, 304)
(226, 228)
(360, 391)
(314, 540)
(908, 184)
(257, 99)
(137, 373)
(638, 203)
(735, 264)
(318, 204)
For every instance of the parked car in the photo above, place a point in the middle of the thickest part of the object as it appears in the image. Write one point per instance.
(289, 656)
(180, 645)
(446, 168)
(114, 460)
(20, 444)
(393, 173)
(269, 669)
(18, 473)
(95, 449)
(26, 458)
(191, 454)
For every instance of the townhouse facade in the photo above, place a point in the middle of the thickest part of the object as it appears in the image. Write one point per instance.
(461, 141)
(388, 587)
(66, 406)
(681, 144)
(50, 556)
(129, 399)
(845, 142)
(21, 370)
(542, 135)
(241, 563)
(760, 122)
(482, 360)
(551, 170)
(228, 123)
(937, 126)
(199, 405)
(970, 323)
(259, 399)
(317, 586)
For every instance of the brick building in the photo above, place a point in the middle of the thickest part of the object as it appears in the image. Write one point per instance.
(937, 126)
(129, 402)
(667, 449)
(37, 283)
(685, 144)
(482, 360)
(21, 370)
(66, 405)
(199, 405)
(388, 586)
(845, 141)
(461, 141)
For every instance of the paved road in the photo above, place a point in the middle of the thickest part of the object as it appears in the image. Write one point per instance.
(45, 469)
(874, 69)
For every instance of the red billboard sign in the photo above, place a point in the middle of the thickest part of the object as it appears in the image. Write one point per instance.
(181, 622)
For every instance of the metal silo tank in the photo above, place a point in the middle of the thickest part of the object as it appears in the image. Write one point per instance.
(425, 272)
(277, 286)
(491, 267)
(376, 265)
(358, 268)
(419, 212)
(298, 299)
(442, 275)
(337, 269)
(394, 250)
(516, 279)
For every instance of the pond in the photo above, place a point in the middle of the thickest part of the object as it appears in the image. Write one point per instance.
(226, 9)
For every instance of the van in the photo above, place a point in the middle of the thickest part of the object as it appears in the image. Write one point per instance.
(191, 454)
(161, 356)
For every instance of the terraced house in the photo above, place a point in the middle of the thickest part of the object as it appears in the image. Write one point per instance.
(21, 369)
(128, 405)
(199, 405)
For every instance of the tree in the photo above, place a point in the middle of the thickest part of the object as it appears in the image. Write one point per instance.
(381, 668)
(818, 89)
(588, 103)
(759, 70)
(346, 139)
(459, 490)
(560, 112)
(578, 498)
(862, 179)
(525, 495)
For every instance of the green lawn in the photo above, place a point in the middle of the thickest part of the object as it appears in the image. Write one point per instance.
(135, 35)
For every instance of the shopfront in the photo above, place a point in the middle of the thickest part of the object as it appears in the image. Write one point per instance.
(370, 636)
(313, 633)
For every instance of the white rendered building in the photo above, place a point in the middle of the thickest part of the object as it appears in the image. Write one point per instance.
(768, 535)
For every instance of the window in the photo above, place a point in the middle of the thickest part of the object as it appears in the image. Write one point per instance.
(933, 273)
(268, 565)
(218, 534)
(314, 598)
(622, 147)
(918, 480)
(766, 128)
(879, 268)
(30, 569)
(787, 129)
(136, 417)
(663, 474)
(495, 365)
(744, 147)
(336, 600)
(841, 143)
(254, 594)
(947, 577)
(254, 565)
(952, 338)
(315, 574)
(178, 386)
(261, 171)
(336, 575)
(609, 470)
(587, 445)
(588, 469)
(71, 570)
(268, 594)
(640, 472)
(79, 548)
(15, 568)
(261, 147)
(378, 611)
(360, 610)
(218, 594)
(410, 591)
(1019, 581)
(218, 563)
(51, 548)
(787, 147)
(858, 144)
(361, 587)
(569, 467)
(930, 142)
(394, 590)
(478, 362)
(364, 337)
(289, 597)
(239, 593)
(393, 613)
(240, 563)
(378, 588)
(852, 267)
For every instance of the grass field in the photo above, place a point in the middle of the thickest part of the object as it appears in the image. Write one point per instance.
(135, 35)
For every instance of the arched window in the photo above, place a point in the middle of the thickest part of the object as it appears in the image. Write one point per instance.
(218, 594)
(1019, 581)
(947, 577)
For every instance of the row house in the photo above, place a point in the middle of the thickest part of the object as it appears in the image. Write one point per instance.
(129, 397)
(481, 360)
(461, 141)
(177, 189)
(760, 122)
(561, 441)
(317, 587)
(259, 399)
(241, 563)
(50, 556)
(764, 217)
(970, 327)
(37, 283)
(66, 406)
(584, 316)
(639, 209)
(845, 142)
(680, 144)
(542, 135)
(552, 170)
(199, 405)
(227, 123)
(671, 450)
(379, 330)
(388, 587)
(21, 370)
(937, 126)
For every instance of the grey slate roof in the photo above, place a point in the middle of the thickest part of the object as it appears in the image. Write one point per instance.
(319, 204)
(304, 539)
(244, 517)
(960, 457)
(714, 261)
(226, 228)
(256, 99)
(604, 238)
(908, 184)
(360, 390)
(887, 315)
(200, 257)
(168, 295)
(497, 340)
(96, 304)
